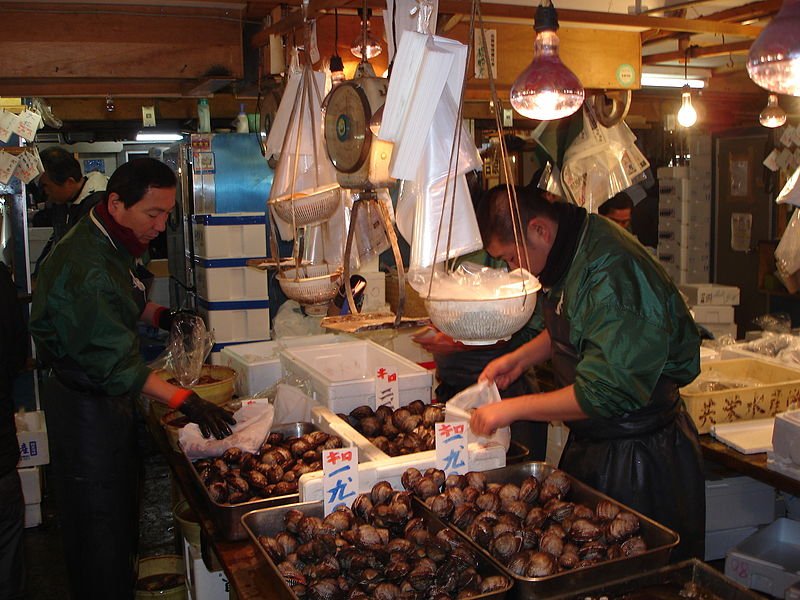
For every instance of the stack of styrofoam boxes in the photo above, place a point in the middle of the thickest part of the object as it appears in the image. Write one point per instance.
(712, 305)
(203, 583)
(34, 452)
(232, 297)
(735, 506)
(684, 227)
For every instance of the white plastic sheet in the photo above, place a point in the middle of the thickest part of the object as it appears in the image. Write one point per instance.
(460, 406)
(787, 254)
(253, 422)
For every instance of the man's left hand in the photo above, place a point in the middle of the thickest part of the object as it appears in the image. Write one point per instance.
(212, 419)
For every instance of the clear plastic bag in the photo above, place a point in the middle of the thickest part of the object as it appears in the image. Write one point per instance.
(189, 345)
(460, 407)
(775, 322)
(772, 344)
(471, 281)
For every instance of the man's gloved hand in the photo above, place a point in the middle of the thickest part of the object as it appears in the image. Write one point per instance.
(165, 317)
(212, 419)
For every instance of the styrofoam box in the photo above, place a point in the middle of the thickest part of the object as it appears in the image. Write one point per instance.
(720, 330)
(671, 208)
(231, 321)
(343, 375)
(382, 467)
(673, 172)
(709, 313)
(31, 479)
(741, 351)
(231, 235)
(786, 438)
(258, 364)
(711, 293)
(695, 275)
(375, 292)
(767, 561)
(216, 357)
(229, 279)
(738, 501)
(33, 515)
(669, 187)
(204, 584)
(719, 542)
(33, 447)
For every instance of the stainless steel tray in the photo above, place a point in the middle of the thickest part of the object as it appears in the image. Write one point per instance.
(227, 518)
(666, 580)
(270, 521)
(660, 541)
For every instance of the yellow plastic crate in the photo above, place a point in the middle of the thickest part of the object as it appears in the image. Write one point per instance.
(780, 386)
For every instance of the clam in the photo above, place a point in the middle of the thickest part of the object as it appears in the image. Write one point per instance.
(540, 564)
(529, 490)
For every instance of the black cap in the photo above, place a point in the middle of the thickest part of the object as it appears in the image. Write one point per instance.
(546, 18)
(336, 63)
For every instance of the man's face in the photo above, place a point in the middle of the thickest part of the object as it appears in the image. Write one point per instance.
(537, 245)
(57, 193)
(620, 216)
(148, 217)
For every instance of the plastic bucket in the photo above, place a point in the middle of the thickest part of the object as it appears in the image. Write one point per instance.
(188, 521)
(162, 578)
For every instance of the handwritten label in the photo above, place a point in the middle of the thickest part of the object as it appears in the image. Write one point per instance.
(8, 124)
(28, 167)
(339, 477)
(28, 124)
(387, 388)
(8, 164)
(452, 455)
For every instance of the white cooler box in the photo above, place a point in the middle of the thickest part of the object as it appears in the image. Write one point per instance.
(222, 279)
(258, 364)
(233, 321)
(785, 455)
(216, 357)
(342, 375)
(230, 235)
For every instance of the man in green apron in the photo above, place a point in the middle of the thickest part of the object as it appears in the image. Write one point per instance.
(622, 342)
(84, 317)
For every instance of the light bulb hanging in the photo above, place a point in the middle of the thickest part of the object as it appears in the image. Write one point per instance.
(365, 39)
(774, 58)
(336, 64)
(546, 89)
(773, 115)
(687, 115)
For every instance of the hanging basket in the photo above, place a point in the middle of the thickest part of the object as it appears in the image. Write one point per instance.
(313, 284)
(308, 208)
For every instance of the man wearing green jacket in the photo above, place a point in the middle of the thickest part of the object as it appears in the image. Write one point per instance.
(84, 317)
(622, 342)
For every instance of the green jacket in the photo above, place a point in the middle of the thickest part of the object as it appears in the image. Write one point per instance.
(84, 313)
(628, 322)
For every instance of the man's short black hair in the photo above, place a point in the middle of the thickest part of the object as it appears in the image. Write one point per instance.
(497, 220)
(620, 201)
(132, 179)
(60, 165)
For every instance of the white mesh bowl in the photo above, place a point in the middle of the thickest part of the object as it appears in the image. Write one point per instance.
(310, 207)
(314, 284)
(483, 321)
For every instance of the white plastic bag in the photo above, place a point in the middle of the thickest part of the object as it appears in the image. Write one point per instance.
(787, 254)
(292, 405)
(460, 406)
(253, 422)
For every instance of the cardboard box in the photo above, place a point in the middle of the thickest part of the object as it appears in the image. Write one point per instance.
(711, 293)
(710, 313)
(768, 561)
(779, 386)
(31, 479)
(32, 437)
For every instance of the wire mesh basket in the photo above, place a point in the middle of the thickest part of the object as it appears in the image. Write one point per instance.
(481, 322)
(312, 284)
(308, 208)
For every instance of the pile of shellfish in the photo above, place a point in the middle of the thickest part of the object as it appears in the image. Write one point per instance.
(397, 432)
(376, 549)
(238, 476)
(531, 528)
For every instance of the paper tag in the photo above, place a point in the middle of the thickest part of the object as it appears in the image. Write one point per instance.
(795, 135)
(771, 162)
(787, 137)
(452, 455)
(387, 389)
(784, 157)
(27, 168)
(28, 124)
(339, 477)
(8, 124)
(313, 50)
(8, 164)
(39, 164)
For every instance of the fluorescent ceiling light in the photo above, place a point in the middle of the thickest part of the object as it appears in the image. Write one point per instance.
(670, 81)
(158, 137)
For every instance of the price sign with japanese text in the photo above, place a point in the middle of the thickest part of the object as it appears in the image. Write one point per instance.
(8, 124)
(452, 455)
(8, 164)
(339, 477)
(28, 124)
(27, 168)
(387, 388)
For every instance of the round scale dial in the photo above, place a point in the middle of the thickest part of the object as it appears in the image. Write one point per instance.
(347, 134)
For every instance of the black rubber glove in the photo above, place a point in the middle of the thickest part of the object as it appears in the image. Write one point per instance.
(168, 317)
(212, 419)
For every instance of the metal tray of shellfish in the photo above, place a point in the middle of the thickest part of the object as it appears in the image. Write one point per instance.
(272, 523)
(658, 540)
(227, 515)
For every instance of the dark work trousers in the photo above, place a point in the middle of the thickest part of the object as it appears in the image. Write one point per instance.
(12, 525)
(96, 470)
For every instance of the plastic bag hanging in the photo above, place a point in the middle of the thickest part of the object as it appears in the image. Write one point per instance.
(189, 345)
(304, 189)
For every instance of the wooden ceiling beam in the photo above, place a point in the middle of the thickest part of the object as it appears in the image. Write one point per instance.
(94, 88)
(696, 52)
